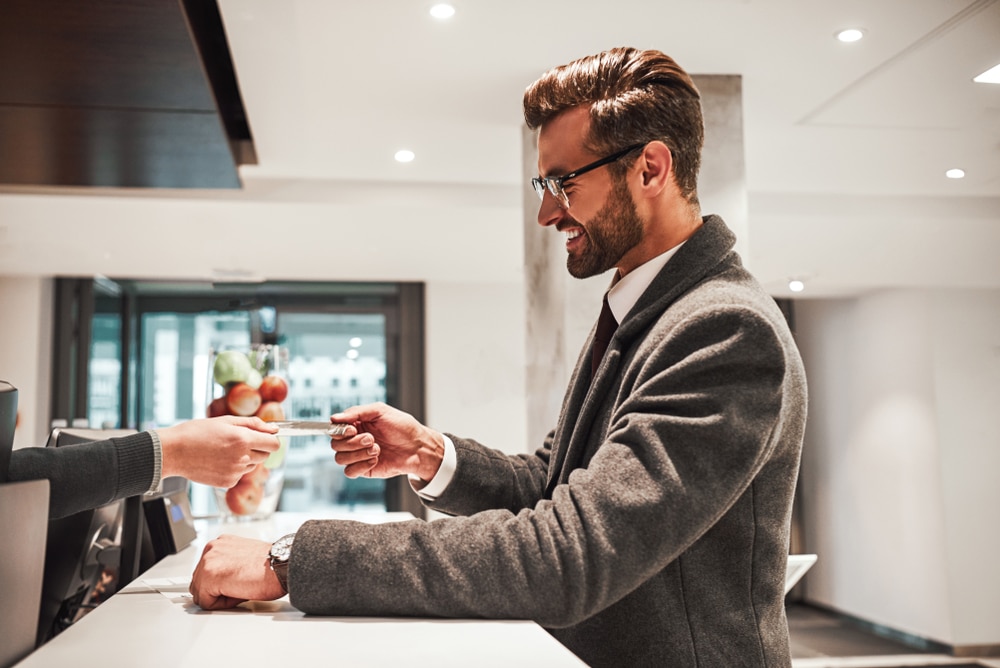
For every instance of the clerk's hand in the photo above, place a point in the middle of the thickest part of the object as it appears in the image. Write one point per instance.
(232, 570)
(217, 451)
(386, 442)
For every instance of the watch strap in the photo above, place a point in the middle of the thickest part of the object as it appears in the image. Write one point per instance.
(281, 552)
(281, 572)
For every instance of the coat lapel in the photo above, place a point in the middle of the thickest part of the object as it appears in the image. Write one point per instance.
(586, 399)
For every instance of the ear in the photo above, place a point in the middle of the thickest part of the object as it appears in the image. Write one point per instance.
(657, 167)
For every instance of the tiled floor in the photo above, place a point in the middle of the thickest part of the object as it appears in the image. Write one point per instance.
(823, 640)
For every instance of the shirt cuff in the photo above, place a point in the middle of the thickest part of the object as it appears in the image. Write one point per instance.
(436, 486)
(157, 463)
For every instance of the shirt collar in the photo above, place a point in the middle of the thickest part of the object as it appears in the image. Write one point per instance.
(625, 292)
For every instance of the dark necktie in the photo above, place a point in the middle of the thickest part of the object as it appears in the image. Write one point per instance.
(606, 326)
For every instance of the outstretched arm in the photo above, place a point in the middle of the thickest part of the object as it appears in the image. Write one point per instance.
(214, 451)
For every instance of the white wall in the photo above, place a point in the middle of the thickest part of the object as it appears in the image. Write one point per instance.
(966, 365)
(271, 230)
(476, 362)
(898, 476)
(26, 352)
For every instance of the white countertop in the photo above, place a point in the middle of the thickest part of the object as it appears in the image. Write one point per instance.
(153, 622)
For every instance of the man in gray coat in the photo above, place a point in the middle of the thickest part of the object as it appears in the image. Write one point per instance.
(651, 527)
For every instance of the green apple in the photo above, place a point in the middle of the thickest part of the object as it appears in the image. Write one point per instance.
(275, 459)
(254, 379)
(231, 366)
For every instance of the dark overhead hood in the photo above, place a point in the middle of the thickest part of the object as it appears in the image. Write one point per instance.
(119, 93)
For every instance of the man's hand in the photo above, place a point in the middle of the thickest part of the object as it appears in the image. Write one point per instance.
(217, 451)
(233, 569)
(386, 442)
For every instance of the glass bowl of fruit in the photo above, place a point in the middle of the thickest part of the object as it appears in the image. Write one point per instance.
(246, 382)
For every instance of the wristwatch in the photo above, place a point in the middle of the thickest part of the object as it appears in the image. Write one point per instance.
(281, 552)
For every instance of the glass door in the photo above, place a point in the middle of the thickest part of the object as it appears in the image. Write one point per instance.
(336, 360)
(140, 356)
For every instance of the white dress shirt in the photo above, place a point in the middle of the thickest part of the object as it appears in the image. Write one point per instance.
(622, 296)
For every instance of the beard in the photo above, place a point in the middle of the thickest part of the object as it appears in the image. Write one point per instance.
(612, 232)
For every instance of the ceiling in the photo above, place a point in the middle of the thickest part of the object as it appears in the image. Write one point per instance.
(118, 94)
(846, 145)
(334, 88)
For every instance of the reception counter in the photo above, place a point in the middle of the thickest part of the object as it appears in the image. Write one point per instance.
(153, 623)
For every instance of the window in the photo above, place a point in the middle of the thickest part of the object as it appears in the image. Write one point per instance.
(150, 344)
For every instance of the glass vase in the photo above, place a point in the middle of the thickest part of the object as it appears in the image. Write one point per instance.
(251, 381)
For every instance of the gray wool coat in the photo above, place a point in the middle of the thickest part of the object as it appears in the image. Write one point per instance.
(651, 528)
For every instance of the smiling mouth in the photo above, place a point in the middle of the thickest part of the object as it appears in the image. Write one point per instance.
(571, 235)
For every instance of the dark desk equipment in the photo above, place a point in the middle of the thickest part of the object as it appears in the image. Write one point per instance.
(24, 513)
(8, 420)
(169, 523)
(92, 554)
(89, 555)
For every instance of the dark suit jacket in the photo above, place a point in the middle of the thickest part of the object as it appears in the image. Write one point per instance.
(651, 529)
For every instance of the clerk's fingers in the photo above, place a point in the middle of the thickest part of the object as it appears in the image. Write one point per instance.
(252, 422)
(255, 457)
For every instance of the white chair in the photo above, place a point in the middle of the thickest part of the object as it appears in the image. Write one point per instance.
(798, 564)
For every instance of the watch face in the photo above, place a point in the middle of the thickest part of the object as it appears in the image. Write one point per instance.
(282, 548)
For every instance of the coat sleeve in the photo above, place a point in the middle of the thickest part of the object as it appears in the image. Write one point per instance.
(88, 475)
(697, 419)
(487, 479)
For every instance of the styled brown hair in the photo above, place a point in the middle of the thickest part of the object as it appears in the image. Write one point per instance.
(634, 96)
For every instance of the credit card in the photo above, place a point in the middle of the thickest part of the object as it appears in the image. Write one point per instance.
(307, 428)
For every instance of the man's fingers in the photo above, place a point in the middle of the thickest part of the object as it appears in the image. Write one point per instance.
(340, 430)
(355, 414)
(350, 456)
(360, 469)
(207, 601)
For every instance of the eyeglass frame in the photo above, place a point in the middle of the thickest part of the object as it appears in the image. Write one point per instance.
(554, 184)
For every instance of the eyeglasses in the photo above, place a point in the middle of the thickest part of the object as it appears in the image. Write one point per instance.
(554, 184)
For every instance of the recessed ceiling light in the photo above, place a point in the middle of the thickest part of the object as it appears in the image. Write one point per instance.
(405, 155)
(955, 173)
(442, 11)
(850, 35)
(355, 342)
(991, 75)
(796, 285)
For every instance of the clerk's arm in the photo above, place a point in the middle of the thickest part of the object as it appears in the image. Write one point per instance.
(213, 451)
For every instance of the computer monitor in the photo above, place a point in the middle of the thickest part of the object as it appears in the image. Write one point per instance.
(8, 420)
(92, 554)
(89, 555)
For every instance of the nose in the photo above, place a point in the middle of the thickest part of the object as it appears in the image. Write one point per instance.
(550, 211)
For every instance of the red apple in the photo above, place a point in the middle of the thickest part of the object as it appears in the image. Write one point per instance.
(259, 475)
(243, 399)
(273, 388)
(245, 497)
(271, 411)
(217, 407)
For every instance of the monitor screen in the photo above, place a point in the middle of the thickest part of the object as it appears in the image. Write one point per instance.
(8, 421)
